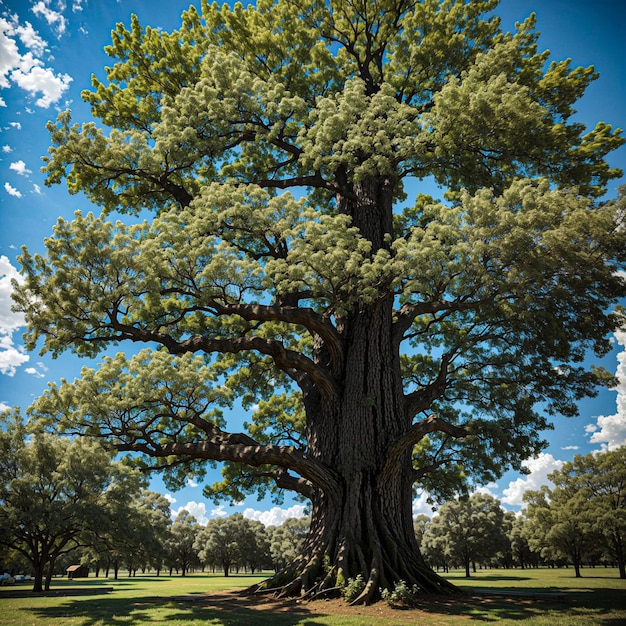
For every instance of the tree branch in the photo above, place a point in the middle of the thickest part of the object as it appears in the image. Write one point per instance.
(301, 316)
(413, 436)
(421, 399)
(297, 366)
(239, 448)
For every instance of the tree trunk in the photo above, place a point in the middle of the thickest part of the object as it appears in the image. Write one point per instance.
(362, 521)
(38, 578)
(49, 573)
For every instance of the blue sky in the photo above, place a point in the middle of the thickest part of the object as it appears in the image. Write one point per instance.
(48, 51)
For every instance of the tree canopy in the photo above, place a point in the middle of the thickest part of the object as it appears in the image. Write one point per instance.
(56, 495)
(376, 341)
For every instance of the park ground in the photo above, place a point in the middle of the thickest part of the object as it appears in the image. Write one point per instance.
(541, 597)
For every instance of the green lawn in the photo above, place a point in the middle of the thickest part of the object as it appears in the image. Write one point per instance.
(599, 598)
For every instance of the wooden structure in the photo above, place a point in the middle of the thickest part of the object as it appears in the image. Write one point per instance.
(77, 571)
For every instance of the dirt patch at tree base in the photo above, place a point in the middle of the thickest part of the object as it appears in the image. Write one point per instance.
(464, 607)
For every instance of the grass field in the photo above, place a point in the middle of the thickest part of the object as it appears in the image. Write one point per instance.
(530, 597)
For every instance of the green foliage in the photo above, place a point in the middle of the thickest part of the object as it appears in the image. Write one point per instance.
(275, 144)
(353, 588)
(583, 511)
(466, 531)
(402, 595)
(57, 494)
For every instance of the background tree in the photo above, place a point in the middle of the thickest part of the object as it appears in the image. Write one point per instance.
(286, 540)
(433, 544)
(181, 553)
(392, 341)
(469, 530)
(139, 532)
(587, 507)
(420, 524)
(520, 549)
(559, 523)
(224, 540)
(52, 492)
(255, 545)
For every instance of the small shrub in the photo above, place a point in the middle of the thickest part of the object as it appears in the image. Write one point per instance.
(402, 594)
(354, 588)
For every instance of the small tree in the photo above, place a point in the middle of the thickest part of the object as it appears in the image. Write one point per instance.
(224, 540)
(586, 508)
(520, 549)
(254, 545)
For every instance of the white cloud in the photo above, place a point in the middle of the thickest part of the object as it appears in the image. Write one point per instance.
(11, 357)
(422, 506)
(2, 102)
(570, 448)
(610, 430)
(36, 189)
(54, 18)
(197, 509)
(12, 191)
(539, 468)
(34, 372)
(169, 497)
(4, 407)
(44, 80)
(6, 149)
(15, 125)
(21, 49)
(191, 483)
(20, 168)
(219, 511)
(275, 516)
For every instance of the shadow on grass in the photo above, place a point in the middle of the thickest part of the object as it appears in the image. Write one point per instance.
(230, 611)
(598, 606)
(587, 606)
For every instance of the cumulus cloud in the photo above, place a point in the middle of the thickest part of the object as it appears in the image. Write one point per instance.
(21, 49)
(421, 506)
(44, 80)
(169, 497)
(37, 372)
(539, 468)
(4, 407)
(20, 168)
(12, 191)
(55, 19)
(610, 430)
(197, 509)
(2, 102)
(219, 511)
(275, 516)
(6, 149)
(11, 356)
(191, 483)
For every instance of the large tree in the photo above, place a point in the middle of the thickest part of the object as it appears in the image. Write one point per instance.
(53, 494)
(388, 341)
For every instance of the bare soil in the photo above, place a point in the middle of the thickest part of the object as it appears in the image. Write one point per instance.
(461, 606)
